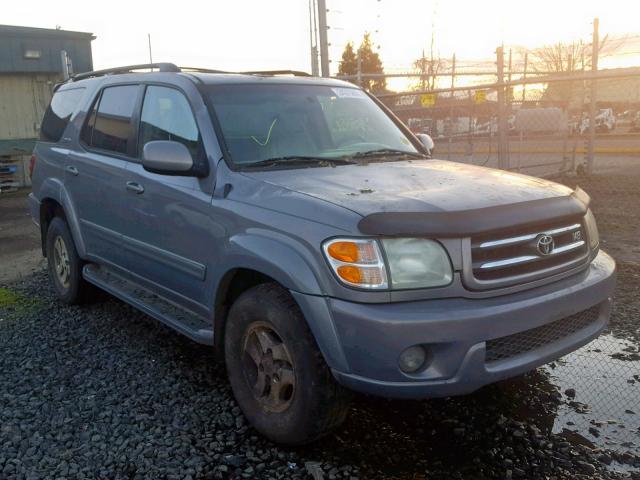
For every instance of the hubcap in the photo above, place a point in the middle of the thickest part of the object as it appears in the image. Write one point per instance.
(61, 262)
(268, 368)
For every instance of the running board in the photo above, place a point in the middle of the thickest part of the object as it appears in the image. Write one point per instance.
(184, 321)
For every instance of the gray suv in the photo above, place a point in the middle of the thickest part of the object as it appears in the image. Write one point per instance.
(297, 226)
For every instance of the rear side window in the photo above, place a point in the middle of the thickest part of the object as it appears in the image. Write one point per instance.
(109, 125)
(166, 115)
(63, 104)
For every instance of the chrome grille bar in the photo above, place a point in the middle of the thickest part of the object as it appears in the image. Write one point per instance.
(515, 256)
(509, 262)
(503, 242)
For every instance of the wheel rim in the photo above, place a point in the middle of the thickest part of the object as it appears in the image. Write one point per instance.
(268, 368)
(61, 262)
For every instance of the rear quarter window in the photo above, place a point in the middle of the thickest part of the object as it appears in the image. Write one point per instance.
(59, 112)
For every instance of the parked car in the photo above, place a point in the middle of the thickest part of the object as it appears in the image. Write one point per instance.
(490, 128)
(635, 124)
(299, 227)
(625, 118)
(486, 129)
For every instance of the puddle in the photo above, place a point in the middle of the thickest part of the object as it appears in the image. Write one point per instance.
(600, 403)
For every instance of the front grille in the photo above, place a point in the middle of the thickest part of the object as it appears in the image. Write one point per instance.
(517, 255)
(506, 347)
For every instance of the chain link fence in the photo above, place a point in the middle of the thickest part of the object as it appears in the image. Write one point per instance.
(580, 129)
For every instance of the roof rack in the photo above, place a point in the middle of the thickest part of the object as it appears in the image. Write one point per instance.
(170, 67)
(162, 67)
(295, 73)
(201, 70)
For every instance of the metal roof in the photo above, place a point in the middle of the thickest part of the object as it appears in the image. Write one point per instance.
(15, 30)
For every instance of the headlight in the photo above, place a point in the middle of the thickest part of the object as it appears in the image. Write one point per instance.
(357, 262)
(411, 263)
(417, 263)
(592, 229)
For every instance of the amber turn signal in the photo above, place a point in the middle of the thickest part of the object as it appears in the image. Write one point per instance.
(350, 273)
(344, 251)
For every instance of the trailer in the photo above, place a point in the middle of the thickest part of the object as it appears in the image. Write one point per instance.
(551, 120)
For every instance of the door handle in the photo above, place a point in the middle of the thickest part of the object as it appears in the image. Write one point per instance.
(135, 187)
(72, 170)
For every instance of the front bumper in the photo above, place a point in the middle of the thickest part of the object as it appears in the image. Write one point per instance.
(455, 332)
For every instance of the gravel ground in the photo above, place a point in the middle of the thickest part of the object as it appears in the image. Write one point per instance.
(103, 391)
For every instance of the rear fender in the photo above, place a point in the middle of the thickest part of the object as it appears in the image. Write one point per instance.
(54, 189)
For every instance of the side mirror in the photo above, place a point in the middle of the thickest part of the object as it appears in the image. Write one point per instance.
(427, 142)
(167, 158)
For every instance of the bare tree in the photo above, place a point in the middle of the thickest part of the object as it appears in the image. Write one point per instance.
(563, 57)
(429, 67)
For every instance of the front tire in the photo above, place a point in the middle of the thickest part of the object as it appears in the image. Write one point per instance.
(65, 266)
(277, 373)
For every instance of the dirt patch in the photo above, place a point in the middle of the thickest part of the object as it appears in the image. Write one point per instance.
(20, 254)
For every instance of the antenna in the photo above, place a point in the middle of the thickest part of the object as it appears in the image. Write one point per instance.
(150, 55)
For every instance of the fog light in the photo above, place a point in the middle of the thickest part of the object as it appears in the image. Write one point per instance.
(412, 359)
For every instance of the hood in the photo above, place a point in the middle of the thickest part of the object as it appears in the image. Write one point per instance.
(419, 186)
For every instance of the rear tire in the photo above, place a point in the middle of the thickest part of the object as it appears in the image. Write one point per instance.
(276, 371)
(65, 266)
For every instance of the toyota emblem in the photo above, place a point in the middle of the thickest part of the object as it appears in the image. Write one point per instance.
(545, 244)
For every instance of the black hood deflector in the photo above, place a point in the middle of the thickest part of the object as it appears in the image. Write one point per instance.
(467, 223)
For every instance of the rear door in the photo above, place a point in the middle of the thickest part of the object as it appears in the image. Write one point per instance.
(96, 171)
(170, 236)
(52, 149)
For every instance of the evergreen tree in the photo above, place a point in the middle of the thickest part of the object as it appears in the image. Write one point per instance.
(349, 62)
(370, 63)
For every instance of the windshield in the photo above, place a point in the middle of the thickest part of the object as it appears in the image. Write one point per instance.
(305, 122)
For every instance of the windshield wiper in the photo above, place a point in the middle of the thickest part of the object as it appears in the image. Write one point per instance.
(296, 160)
(382, 152)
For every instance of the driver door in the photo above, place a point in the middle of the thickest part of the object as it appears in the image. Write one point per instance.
(169, 240)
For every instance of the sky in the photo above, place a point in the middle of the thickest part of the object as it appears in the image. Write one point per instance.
(260, 34)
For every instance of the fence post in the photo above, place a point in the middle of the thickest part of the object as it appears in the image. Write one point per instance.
(592, 101)
(452, 99)
(503, 160)
(524, 77)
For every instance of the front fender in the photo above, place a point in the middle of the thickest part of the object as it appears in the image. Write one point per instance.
(280, 257)
(293, 266)
(54, 189)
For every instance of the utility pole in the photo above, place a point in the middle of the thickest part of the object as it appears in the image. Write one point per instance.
(359, 71)
(313, 38)
(592, 103)
(503, 161)
(509, 87)
(453, 71)
(324, 44)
